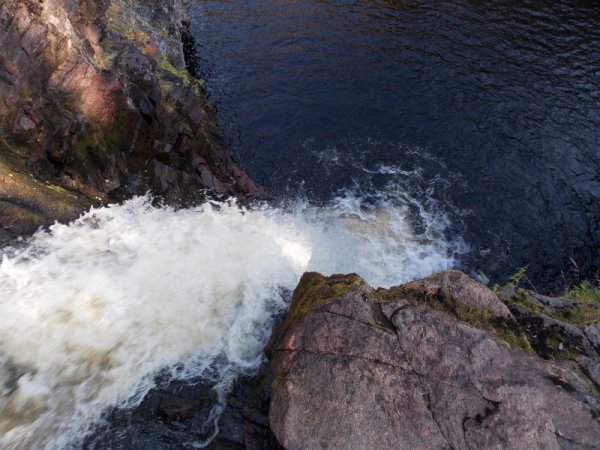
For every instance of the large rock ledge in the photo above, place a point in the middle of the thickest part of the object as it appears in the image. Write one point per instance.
(96, 105)
(437, 363)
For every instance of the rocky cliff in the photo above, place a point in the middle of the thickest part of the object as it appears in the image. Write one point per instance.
(436, 363)
(96, 105)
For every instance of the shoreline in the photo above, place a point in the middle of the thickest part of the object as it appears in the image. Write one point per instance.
(102, 107)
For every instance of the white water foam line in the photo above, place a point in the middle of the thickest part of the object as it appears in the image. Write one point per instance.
(93, 310)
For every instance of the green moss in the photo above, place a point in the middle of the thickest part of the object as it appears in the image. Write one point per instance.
(197, 85)
(445, 302)
(478, 317)
(165, 64)
(580, 316)
(86, 151)
(35, 202)
(520, 298)
(102, 61)
(586, 292)
(374, 324)
(553, 344)
(182, 74)
(482, 319)
(586, 312)
(315, 289)
(15, 148)
(125, 26)
(187, 127)
(514, 339)
(590, 387)
(276, 382)
(19, 218)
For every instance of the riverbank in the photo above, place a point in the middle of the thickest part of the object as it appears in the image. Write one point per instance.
(96, 106)
(441, 362)
(434, 363)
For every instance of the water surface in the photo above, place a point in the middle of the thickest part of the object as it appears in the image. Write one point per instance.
(492, 111)
(388, 130)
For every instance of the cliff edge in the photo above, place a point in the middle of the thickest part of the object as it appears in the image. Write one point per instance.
(435, 363)
(96, 105)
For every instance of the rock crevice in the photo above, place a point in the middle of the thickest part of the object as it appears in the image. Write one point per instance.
(468, 380)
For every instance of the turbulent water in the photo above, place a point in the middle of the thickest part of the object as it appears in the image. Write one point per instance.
(505, 94)
(94, 310)
(403, 124)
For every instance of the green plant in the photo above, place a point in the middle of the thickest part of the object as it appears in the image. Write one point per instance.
(482, 277)
(514, 339)
(514, 280)
(585, 292)
(521, 298)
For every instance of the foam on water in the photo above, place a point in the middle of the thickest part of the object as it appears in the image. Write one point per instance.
(92, 311)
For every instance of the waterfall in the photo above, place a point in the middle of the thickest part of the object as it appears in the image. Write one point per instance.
(92, 311)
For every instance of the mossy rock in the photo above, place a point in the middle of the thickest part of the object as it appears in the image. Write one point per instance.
(514, 338)
(18, 219)
(520, 298)
(581, 315)
(482, 319)
(315, 289)
(26, 203)
(559, 350)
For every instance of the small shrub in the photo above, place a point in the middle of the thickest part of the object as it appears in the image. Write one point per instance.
(585, 292)
(514, 280)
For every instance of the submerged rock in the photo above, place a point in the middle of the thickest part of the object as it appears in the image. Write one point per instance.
(96, 104)
(436, 363)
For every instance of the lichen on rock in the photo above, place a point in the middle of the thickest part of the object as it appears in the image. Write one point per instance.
(441, 369)
(95, 99)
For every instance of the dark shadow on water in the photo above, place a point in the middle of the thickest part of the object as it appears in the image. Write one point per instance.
(500, 101)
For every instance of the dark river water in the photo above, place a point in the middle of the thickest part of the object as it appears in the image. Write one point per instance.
(490, 110)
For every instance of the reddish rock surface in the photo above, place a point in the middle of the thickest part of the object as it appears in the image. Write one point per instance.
(95, 102)
(437, 363)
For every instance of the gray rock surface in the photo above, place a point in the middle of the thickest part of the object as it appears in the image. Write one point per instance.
(436, 363)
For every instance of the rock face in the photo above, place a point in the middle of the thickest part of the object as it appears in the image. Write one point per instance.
(437, 363)
(96, 105)
(179, 416)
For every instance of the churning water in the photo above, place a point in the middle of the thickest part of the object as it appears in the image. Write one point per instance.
(505, 94)
(94, 310)
(488, 108)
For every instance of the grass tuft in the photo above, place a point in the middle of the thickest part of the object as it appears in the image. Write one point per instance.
(585, 292)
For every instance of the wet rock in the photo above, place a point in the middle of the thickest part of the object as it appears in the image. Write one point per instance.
(408, 368)
(26, 203)
(176, 408)
(86, 87)
(179, 416)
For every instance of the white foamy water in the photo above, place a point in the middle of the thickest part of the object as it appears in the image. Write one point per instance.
(92, 311)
